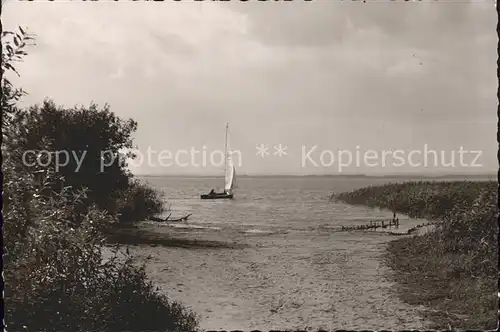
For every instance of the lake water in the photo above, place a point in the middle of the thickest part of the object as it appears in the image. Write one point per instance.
(268, 203)
(297, 270)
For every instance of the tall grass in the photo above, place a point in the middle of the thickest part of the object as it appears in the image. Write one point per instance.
(422, 199)
(454, 269)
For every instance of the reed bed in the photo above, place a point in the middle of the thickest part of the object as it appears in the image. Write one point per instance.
(453, 270)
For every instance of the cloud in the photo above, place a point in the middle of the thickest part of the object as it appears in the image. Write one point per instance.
(380, 74)
(331, 22)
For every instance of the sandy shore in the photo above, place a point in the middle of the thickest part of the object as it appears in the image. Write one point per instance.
(284, 280)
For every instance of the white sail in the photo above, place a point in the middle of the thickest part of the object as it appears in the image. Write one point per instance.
(230, 173)
(235, 185)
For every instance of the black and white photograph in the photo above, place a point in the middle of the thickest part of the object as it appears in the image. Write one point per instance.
(279, 165)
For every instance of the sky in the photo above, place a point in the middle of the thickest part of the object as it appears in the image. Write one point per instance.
(317, 77)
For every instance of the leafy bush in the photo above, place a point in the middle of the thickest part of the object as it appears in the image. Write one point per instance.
(13, 44)
(60, 282)
(138, 202)
(98, 138)
(56, 277)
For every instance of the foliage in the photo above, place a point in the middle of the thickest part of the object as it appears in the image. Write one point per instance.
(455, 268)
(94, 136)
(473, 231)
(468, 210)
(138, 202)
(59, 281)
(89, 142)
(423, 199)
(56, 276)
(13, 44)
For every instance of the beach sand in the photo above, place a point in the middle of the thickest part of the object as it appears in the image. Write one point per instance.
(289, 279)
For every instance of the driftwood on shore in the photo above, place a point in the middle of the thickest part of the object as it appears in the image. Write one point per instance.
(373, 225)
(185, 218)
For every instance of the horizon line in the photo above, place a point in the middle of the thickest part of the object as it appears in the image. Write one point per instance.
(491, 174)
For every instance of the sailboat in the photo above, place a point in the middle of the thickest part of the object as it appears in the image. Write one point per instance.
(229, 178)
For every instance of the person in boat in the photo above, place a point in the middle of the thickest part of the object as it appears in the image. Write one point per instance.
(395, 219)
(212, 192)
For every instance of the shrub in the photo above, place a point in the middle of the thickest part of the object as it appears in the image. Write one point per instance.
(58, 280)
(56, 277)
(95, 136)
(138, 202)
(92, 134)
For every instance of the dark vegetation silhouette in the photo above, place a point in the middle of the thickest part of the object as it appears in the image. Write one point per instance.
(454, 269)
(59, 276)
(88, 142)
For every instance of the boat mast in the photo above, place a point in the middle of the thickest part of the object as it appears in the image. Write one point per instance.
(225, 154)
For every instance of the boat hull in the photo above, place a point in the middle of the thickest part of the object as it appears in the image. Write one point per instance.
(217, 196)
